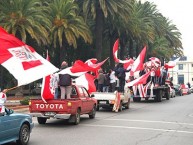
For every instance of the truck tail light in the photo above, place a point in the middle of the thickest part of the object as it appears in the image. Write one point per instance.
(69, 104)
(111, 101)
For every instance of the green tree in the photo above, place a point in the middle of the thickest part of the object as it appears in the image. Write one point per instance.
(67, 26)
(25, 18)
(99, 10)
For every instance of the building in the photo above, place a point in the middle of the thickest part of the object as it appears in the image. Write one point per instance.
(183, 71)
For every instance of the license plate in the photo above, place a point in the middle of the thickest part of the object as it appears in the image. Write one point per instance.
(50, 114)
(102, 102)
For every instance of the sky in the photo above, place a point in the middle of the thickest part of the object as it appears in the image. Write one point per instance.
(181, 15)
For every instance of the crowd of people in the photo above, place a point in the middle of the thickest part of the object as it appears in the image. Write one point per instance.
(112, 80)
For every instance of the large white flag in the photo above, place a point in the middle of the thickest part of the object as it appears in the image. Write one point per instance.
(22, 61)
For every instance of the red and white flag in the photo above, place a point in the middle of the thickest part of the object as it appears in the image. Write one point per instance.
(86, 80)
(155, 61)
(3, 99)
(128, 64)
(170, 64)
(48, 87)
(140, 80)
(91, 61)
(80, 66)
(22, 61)
(68, 71)
(141, 91)
(115, 53)
(138, 63)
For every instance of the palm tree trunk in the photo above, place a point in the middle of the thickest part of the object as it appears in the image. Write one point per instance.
(131, 48)
(99, 33)
(63, 54)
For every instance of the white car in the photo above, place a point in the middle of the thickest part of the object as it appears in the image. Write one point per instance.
(107, 99)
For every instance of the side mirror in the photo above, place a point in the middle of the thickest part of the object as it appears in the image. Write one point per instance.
(9, 111)
(92, 96)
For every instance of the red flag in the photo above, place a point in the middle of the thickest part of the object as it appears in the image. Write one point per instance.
(91, 61)
(3, 31)
(48, 88)
(80, 66)
(47, 56)
(140, 80)
(86, 80)
(138, 64)
(98, 65)
(115, 50)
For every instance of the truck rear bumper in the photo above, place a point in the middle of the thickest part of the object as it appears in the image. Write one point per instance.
(57, 116)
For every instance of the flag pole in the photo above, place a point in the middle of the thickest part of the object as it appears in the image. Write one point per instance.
(6, 90)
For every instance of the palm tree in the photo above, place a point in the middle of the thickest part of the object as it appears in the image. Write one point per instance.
(67, 26)
(100, 10)
(24, 19)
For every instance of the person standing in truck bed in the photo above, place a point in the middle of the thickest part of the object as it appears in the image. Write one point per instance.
(65, 82)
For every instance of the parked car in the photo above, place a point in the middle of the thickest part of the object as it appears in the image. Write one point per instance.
(185, 89)
(191, 89)
(15, 127)
(178, 90)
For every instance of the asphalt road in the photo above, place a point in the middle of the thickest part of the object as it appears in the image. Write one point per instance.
(169, 122)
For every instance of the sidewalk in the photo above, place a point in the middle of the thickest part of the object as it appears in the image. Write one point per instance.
(14, 103)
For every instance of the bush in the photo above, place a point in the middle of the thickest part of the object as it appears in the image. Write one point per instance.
(25, 101)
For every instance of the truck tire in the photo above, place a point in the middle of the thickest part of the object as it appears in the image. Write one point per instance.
(24, 135)
(127, 105)
(97, 108)
(147, 98)
(136, 99)
(77, 117)
(167, 94)
(41, 120)
(93, 112)
(159, 96)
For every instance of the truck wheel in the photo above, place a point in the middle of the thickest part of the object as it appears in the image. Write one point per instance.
(77, 117)
(136, 99)
(167, 94)
(93, 113)
(127, 105)
(146, 99)
(41, 120)
(24, 135)
(98, 108)
(159, 96)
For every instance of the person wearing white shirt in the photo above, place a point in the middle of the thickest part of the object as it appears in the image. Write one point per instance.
(112, 80)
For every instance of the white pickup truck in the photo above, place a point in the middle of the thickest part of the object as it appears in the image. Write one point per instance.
(107, 99)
